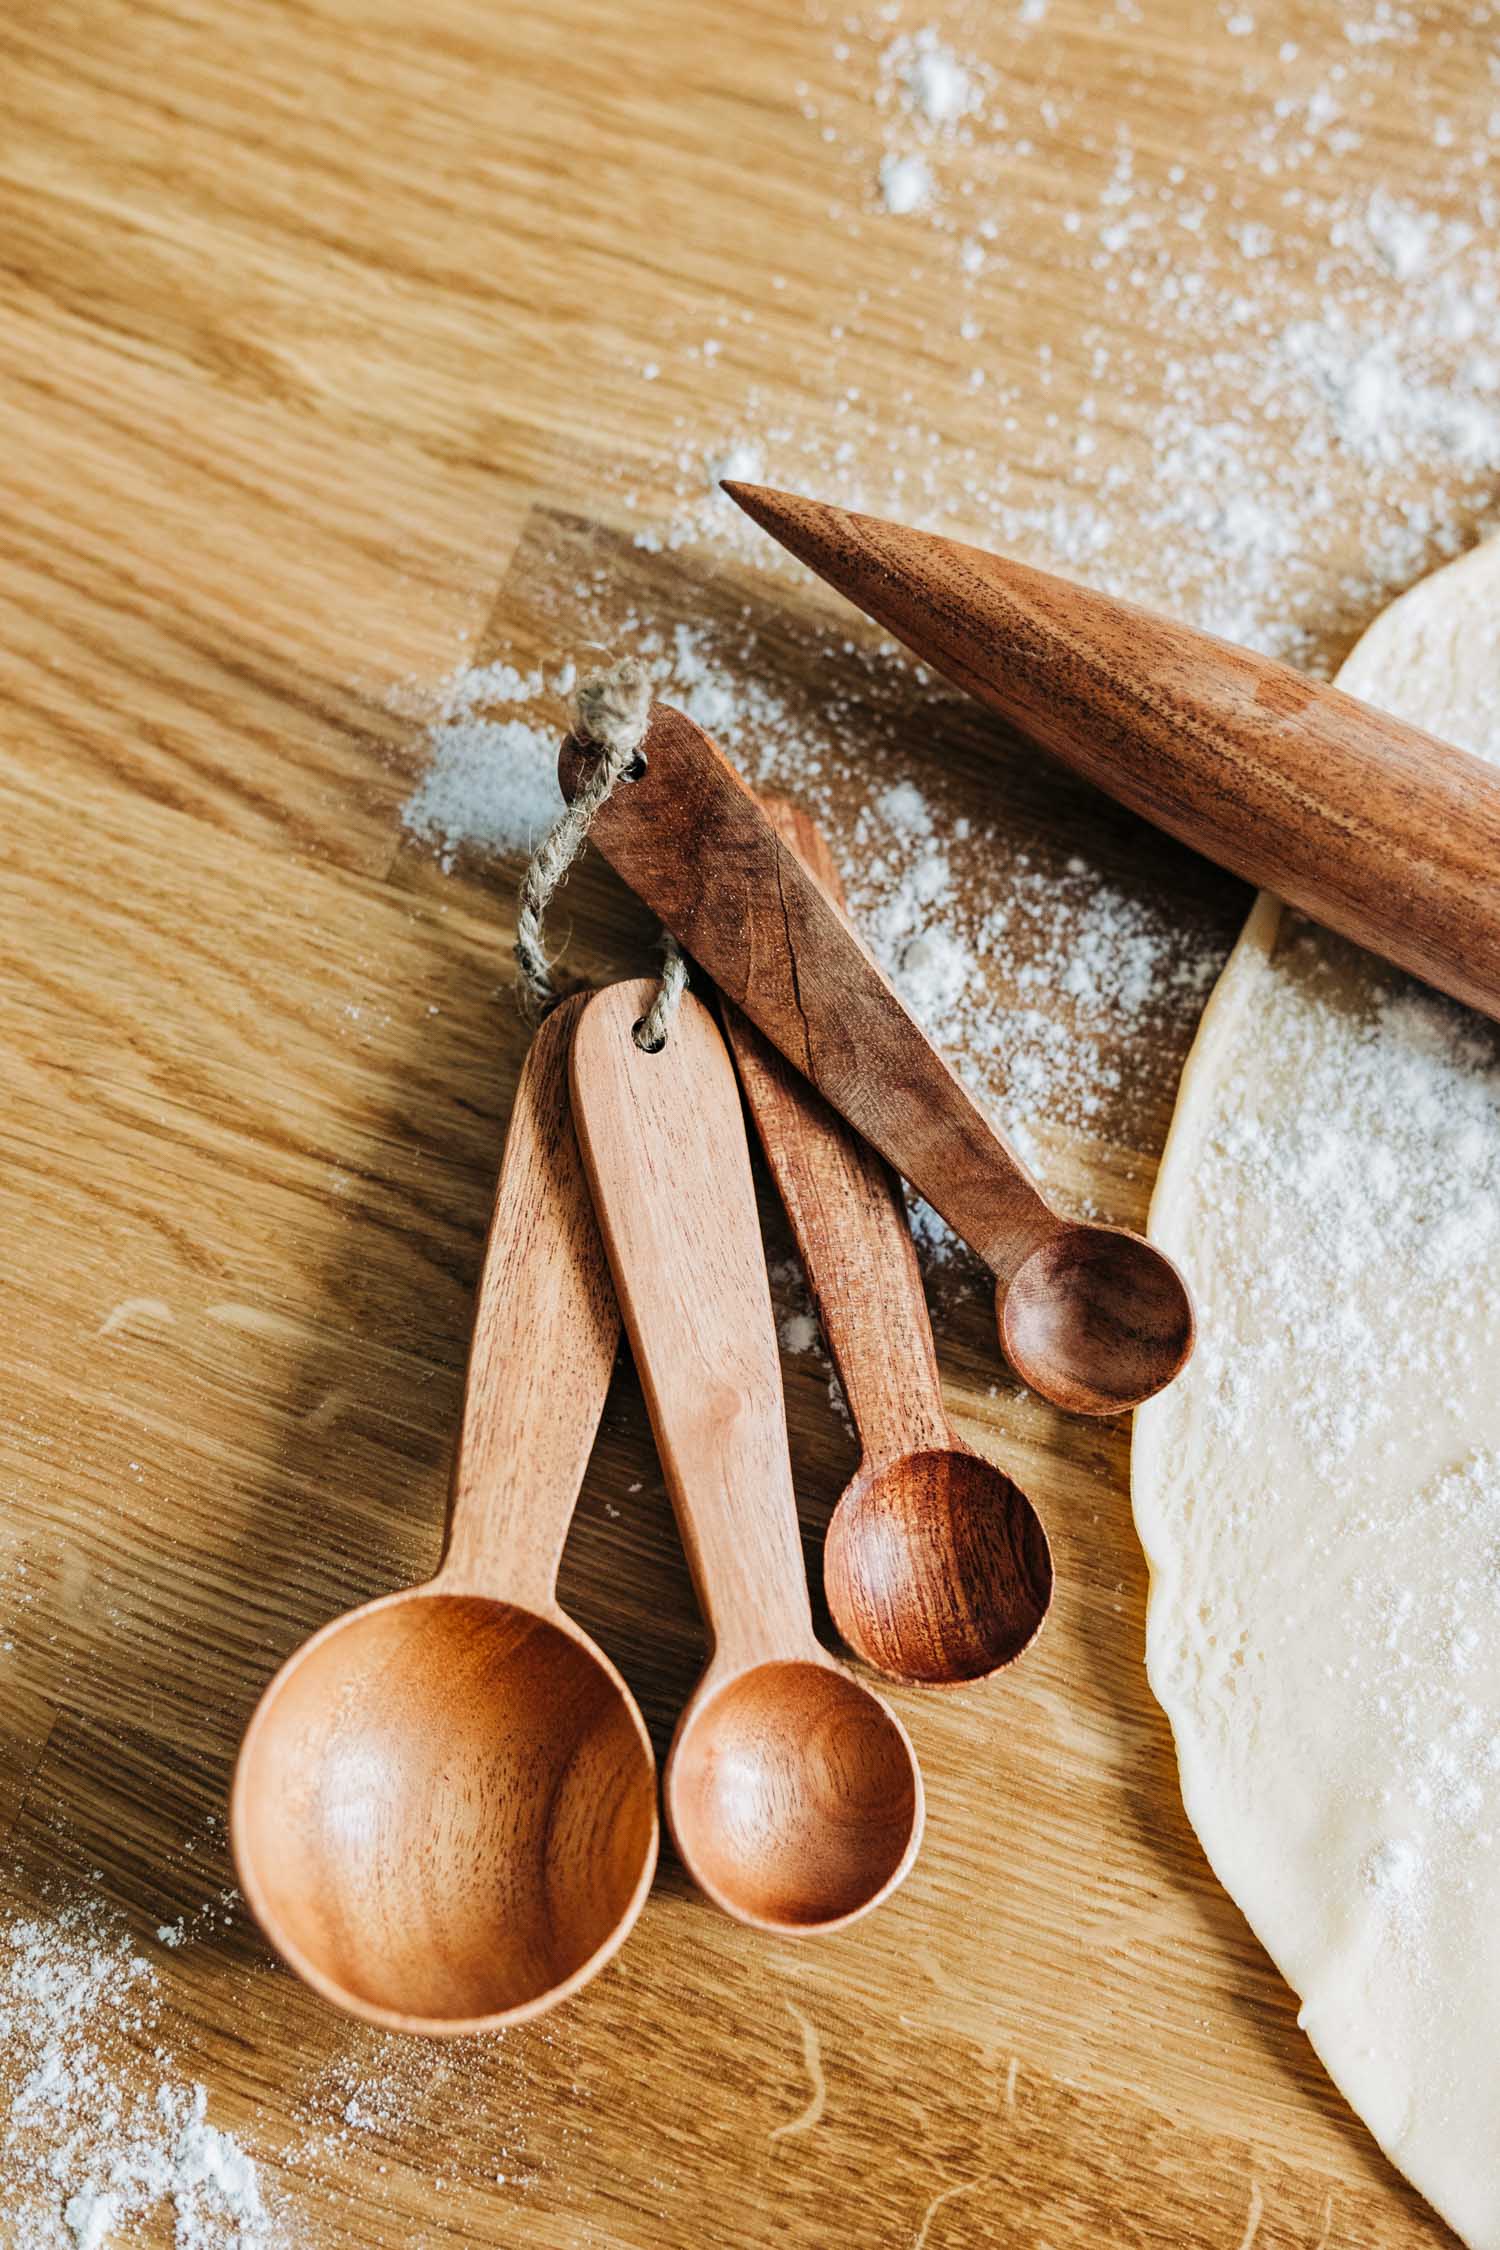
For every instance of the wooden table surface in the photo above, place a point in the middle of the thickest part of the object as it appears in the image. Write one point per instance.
(321, 362)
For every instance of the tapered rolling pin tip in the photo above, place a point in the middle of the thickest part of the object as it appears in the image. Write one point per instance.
(893, 573)
(759, 501)
(804, 527)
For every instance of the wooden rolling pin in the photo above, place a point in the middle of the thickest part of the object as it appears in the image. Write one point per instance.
(1384, 833)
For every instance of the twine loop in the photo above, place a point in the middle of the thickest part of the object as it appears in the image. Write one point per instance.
(611, 712)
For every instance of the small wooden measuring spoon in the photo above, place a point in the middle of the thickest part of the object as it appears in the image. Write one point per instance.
(791, 1790)
(1094, 1318)
(444, 1811)
(935, 1564)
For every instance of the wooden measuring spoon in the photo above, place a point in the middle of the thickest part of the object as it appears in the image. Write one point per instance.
(1094, 1318)
(935, 1563)
(791, 1790)
(444, 1811)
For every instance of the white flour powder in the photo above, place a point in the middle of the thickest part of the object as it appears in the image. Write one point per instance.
(1269, 403)
(905, 184)
(1226, 319)
(1029, 972)
(492, 780)
(102, 2133)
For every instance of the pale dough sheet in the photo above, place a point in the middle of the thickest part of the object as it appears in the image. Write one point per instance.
(1319, 1496)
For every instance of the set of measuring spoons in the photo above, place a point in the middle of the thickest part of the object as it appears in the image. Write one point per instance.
(444, 1814)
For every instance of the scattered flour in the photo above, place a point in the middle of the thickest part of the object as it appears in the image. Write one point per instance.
(1393, 1871)
(1389, 1162)
(937, 82)
(1226, 317)
(1033, 993)
(1032, 996)
(739, 463)
(906, 184)
(382, 2096)
(796, 1322)
(101, 2135)
(491, 781)
(799, 1334)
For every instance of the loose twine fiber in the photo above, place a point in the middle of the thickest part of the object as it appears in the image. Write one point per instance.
(611, 711)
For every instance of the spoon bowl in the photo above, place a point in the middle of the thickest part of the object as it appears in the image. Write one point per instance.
(444, 1811)
(792, 1791)
(696, 845)
(1096, 1319)
(936, 1567)
(793, 1796)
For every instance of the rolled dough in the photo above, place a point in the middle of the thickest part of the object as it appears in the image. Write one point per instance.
(1319, 1496)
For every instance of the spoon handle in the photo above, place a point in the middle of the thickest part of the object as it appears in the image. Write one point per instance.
(849, 1217)
(663, 1140)
(692, 840)
(546, 1328)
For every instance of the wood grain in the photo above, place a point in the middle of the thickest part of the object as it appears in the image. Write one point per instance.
(664, 1147)
(936, 1566)
(792, 1791)
(1389, 836)
(320, 370)
(849, 1218)
(546, 1329)
(443, 1813)
(1095, 1318)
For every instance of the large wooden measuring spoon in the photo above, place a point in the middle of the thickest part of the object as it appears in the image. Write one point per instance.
(444, 1811)
(791, 1790)
(1094, 1318)
(936, 1565)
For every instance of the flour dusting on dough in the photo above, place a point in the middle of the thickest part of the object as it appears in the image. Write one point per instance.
(1319, 1497)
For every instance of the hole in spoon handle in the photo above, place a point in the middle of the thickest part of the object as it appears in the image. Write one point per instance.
(663, 1140)
(693, 841)
(546, 1328)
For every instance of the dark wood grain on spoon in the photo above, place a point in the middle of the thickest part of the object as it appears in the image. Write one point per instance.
(1094, 1318)
(936, 1566)
(1383, 832)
